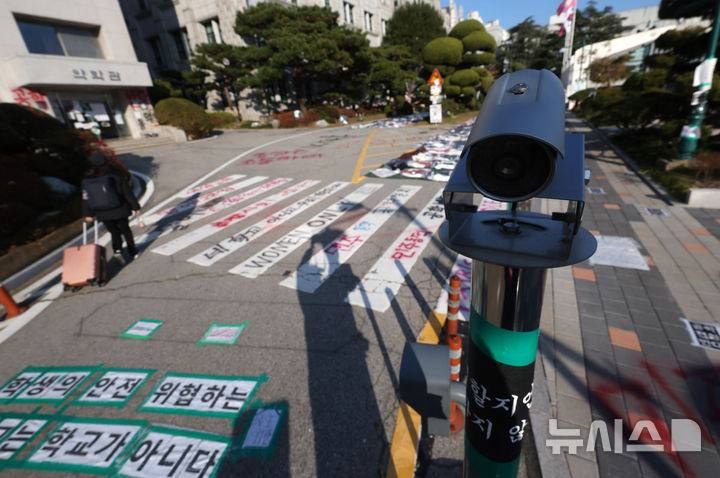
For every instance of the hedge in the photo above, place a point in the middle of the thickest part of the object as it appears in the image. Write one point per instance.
(464, 78)
(479, 41)
(184, 114)
(466, 27)
(443, 51)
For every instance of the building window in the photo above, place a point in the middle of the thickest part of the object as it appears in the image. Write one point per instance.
(212, 31)
(383, 26)
(367, 19)
(156, 49)
(51, 39)
(348, 13)
(182, 43)
(327, 3)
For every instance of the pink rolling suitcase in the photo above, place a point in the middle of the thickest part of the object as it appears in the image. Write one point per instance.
(84, 265)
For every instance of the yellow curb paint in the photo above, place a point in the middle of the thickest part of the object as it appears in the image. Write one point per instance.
(403, 449)
(356, 178)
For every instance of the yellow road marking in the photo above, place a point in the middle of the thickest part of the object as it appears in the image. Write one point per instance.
(403, 449)
(356, 178)
(388, 152)
(393, 144)
(373, 165)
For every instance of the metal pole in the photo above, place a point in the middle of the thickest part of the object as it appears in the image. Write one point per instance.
(504, 327)
(691, 133)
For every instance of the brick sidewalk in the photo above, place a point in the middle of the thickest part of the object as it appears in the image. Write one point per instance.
(612, 344)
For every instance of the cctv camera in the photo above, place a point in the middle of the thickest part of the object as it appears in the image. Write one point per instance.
(518, 136)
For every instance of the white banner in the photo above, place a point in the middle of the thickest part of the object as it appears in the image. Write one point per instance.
(208, 230)
(322, 265)
(275, 252)
(231, 244)
(379, 286)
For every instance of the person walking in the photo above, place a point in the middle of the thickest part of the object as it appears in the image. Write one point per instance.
(107, 197)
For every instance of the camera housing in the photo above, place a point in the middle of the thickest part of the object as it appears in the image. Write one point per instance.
(518, 150)
(518, 136)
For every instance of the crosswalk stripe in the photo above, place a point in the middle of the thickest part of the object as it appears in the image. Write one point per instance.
(210, 185)
(379, 286)
(231, 244)
(322, 265)
(193, 203)
(275, 252)
(207, 230)
(166, 227)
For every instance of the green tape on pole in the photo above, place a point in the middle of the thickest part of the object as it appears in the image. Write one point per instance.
(504, 346)
(487, 468)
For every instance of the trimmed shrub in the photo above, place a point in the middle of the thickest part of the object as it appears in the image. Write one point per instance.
(466, 27)
(444, 70)
(184, 114)
(465, 78)
(451, 90)
(220, 119)
(468, 91)
(477, 59)
(479, 40)
(443, 51)
(452, 107)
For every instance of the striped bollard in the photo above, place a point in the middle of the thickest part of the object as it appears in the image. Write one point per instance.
(457, 420)
(11, 307)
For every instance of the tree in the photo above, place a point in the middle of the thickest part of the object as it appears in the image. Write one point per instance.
(608, 70)
(221, 66)
(306, 42)
(686, 8)
(530, 46)
(461, 58)
(393, 71)
(593, 25)
(414, 25)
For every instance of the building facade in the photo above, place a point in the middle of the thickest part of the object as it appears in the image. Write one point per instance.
(165, 32)
(74, 60)
(644, 27)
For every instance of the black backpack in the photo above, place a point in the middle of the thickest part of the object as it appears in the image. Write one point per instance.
(102, 193)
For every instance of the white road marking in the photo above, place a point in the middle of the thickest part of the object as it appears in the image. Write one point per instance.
(275, 252)
(322, 265)
(231, 244)
(379, 286)
(208, 230)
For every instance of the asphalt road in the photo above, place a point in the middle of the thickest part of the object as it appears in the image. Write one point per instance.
(334, 365)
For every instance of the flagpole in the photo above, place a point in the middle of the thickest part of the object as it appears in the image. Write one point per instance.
(567, 51)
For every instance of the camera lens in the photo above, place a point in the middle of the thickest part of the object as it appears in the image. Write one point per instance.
(507, 167)
(511, 167)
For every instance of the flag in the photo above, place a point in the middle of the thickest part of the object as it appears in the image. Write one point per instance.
(566, 8)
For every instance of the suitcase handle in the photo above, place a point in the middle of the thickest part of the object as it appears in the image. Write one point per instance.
(85, 232)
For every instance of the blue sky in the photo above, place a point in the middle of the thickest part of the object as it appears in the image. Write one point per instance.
(512, 12)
